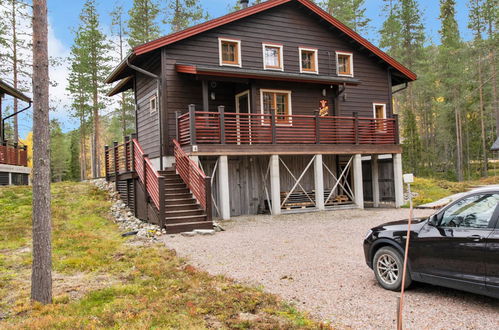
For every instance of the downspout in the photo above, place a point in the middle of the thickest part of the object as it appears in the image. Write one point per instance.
(10, 116)
(158, 82)
(401, 89)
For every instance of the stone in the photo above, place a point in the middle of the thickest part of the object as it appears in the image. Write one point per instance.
(189, 233)
(205, 231)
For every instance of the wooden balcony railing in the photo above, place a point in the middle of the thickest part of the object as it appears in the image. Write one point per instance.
(13, 154)
(194, 177)
(201, 127)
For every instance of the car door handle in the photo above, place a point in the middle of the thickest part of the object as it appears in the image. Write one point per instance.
(476, 238)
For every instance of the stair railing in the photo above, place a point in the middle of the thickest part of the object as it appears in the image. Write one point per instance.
(154, 183)
(194, 177)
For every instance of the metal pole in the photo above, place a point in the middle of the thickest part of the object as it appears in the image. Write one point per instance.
(404, 270)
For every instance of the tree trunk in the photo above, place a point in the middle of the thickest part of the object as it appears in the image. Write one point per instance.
(485, 165)
(14, 69)
(494, 90)
(95, 141)
(41, 276)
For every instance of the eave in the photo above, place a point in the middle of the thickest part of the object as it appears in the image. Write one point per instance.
(9, 90)
(124, 85)
(219, 71)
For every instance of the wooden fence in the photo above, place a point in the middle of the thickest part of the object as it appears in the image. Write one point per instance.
(13, 154)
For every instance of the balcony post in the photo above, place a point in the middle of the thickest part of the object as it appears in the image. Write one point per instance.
(273, 128)
(192, 123)
(144, 172)
(275, 185)
(317, 128)
(106, 161)
(127, 153)
(375, 179)
(223, 187)
(177, 114)
(358, 188)
(116, 164)
(356, 126)
(319, 182)
(397, 178)
(132, 153)
(221, 111)
(16, 153)
(396, 129)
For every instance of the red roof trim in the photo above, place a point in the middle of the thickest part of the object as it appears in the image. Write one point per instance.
(169, 39)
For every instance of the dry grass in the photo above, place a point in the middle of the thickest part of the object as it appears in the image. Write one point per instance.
(102, 280)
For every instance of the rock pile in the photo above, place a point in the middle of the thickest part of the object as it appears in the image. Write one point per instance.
(124, 217)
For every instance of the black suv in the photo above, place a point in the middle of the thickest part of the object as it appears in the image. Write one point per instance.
(458, 247)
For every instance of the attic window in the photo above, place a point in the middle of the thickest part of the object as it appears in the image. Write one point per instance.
(230, 52)
(344, 64)
(153, 104)
(308, 60)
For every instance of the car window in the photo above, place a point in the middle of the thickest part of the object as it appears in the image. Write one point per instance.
(471, 212)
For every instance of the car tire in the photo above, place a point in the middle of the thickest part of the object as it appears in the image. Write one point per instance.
(387, 265)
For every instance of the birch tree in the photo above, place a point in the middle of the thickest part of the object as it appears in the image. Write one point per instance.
(41, 276)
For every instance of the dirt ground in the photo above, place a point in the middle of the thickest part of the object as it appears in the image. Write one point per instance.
(316, 261)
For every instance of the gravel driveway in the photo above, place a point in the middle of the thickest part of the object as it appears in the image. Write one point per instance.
(316, 260)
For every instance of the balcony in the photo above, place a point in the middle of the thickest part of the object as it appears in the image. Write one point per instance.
(13, 154)
(218, 133)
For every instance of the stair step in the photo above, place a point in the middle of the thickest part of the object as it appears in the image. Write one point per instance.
(181, 207)
(173, 180)
(176, 185)
(177, 190)
(176, 228)
(184, 213)
(175, 195)
(184, 218)
(180, 200)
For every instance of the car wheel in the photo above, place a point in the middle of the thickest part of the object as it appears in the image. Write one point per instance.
(388, 264)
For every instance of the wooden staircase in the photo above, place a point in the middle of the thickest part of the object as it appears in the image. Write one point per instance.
(182, 211)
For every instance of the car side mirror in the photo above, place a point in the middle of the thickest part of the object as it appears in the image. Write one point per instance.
(433, 221)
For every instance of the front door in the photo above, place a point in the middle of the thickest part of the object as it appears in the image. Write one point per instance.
(243, 122)
(455, 249)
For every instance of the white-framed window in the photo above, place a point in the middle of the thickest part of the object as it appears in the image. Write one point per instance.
(344, 64)
(153, 104)
(379, 112)
(308, 60)
(230, 52)
(277, 102)
(273, 57)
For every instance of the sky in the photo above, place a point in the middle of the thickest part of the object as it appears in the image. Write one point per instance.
(64, 18)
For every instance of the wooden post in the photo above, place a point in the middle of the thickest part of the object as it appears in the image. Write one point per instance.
(106, 161)
(207, 185)
(375, 179)
(319, 182)
(221, 111)
(144, 156)
(116, 165)
(16, 153)
(317, 127)
(206, 102)
(161, 188)
(177, 114)
(223, 188)
(357, 181)
(275, 185)
(192, 123)
(398, 180)
(273, 128)
(356, 126)
(127, 153)
(396, 129)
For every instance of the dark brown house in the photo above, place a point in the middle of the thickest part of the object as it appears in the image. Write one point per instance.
(282, 106)
(13, 155)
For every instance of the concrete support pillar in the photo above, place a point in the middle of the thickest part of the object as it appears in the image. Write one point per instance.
(375, 179)
(223, 188)
(358, 188)
(397, 180)
(275, 185)
(10, 179)
(319, 182)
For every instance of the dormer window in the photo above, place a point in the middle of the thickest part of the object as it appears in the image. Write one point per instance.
(308, 60)
(272, 57)
(230, 52)
(344, 64)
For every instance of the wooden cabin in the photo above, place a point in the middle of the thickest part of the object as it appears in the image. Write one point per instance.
(13, 155)
(276, 108)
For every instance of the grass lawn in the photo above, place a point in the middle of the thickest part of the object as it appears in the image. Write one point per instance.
(102, 280)
(430, 190)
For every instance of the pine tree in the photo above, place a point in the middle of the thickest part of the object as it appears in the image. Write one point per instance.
(142, 24)
(119, 31)
(74, 160)
(184, 13)
(59, 152)
(350, 12)
(450, 79)
(93, 53)
(236, 5)
(390, 38)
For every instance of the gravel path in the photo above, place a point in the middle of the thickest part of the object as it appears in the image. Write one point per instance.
(316, 260)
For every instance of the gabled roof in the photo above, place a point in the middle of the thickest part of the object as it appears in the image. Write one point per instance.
(214, 23)
(9, 90)
(495, 146)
